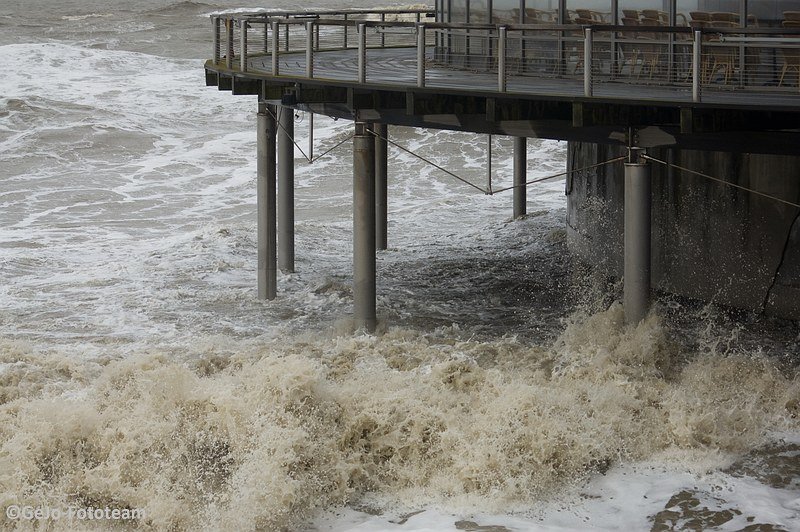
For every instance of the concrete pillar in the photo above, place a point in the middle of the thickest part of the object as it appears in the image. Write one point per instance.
(364, 312)
(520, 176)
(739, 238)
(267, 252)
(636, 290)
(381, 186)
(286, 190)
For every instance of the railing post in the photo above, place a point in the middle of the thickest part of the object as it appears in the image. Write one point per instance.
(362, 53)
(501, 59)
(587, 62)
(229, 43)
(310, 49)
(420, 55)
(697, 66)
(243, 46)
(275, 47)
(215, 28)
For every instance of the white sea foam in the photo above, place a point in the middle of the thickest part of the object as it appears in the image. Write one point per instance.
(266, 433)
(74, 18)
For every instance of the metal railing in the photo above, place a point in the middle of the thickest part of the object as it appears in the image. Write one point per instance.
(691, 61)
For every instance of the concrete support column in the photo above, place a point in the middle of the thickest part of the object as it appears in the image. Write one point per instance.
(267, 245)
(520, 176)
(636, 291)
(286, 190)
(364, 312)
(381, 185)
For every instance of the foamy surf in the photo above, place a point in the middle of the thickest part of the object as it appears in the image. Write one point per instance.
(267, 435)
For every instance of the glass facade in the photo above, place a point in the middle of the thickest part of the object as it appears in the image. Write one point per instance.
(766, 13)
(541, 12)
(649, 56)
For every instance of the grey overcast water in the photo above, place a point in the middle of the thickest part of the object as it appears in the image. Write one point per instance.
(138, 371)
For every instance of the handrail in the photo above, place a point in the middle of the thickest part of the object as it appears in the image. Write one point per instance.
(319, 12)
(300, 18)
(690, 59)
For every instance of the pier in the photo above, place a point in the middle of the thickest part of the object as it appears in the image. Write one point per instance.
(632, 99)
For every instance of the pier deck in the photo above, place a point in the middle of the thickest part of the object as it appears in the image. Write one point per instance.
(396, 68)
(670, 86)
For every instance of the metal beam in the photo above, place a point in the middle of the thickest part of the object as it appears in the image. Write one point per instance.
(381, 186)
(286, 189)
(636, 290)
(520, 176)
(364, 291)
(267, 245)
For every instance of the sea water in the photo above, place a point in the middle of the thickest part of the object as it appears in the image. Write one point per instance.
(138, 370)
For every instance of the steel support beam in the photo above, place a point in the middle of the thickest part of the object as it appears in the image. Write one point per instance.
(267, 245)
(286, 189)
(381, 186)
(520, 176)
(636, 291)
(364, 292)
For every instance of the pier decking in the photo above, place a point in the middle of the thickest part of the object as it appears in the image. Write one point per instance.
(698, 88)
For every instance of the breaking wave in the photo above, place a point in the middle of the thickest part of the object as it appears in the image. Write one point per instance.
(262, 436)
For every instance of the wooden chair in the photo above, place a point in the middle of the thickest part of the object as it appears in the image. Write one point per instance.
(650, 51)
(661, 16)
(630, 13)
(538, 16)
(791, 62)
(722, 16)
(629, 48)
(791, 56)
(722, 58)
(791, 15)
(700, 15)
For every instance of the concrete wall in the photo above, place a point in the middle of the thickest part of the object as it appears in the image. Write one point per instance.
(710, 241)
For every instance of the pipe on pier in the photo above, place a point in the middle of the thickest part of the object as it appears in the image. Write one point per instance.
(364, 293)
(636, 290)
(381, 186)
(520, 176)
(267, 245)
(286, 190)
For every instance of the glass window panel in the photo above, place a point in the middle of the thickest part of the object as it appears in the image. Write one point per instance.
(653, 12)
(478, 12)
(702, 13)
(506, 11)
(458, 10)
(596, 11)
(541, 11)
(772, 12)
